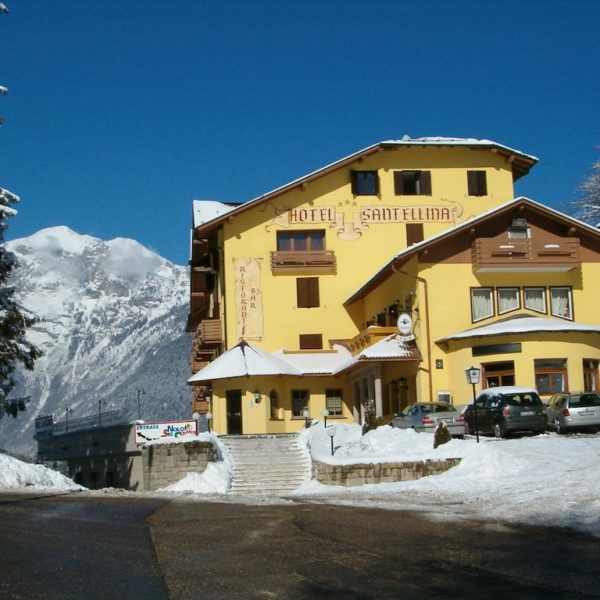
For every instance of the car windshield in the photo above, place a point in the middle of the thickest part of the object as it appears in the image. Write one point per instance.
(584, 400)
(436, 408)
(522, 399)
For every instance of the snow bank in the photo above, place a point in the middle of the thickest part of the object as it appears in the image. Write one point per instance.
(15, 474)
(546, 479)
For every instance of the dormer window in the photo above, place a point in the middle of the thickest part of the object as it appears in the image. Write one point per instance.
(364, 183)
(518, 229)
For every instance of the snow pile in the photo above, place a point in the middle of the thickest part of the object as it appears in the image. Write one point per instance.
(15, 474)
(545, 479)
(216, 478)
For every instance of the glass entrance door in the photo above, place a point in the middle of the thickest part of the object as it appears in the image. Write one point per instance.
(233, 399)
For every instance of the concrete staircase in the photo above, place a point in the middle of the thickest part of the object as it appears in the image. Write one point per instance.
(267, 464)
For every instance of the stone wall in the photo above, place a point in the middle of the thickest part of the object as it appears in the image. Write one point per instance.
(360, 474)
(165, 464)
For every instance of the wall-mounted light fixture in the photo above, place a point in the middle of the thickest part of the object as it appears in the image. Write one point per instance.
(257, 396)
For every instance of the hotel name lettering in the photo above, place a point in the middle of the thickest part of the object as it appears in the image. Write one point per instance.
(371, 214)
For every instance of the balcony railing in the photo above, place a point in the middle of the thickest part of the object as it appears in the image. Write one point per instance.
(210, 331)
(524, 255)
(310, 260)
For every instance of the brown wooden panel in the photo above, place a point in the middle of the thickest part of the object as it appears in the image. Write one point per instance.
(311, 341)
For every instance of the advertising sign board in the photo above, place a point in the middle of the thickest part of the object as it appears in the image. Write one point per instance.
(44, 427)
(144, 432)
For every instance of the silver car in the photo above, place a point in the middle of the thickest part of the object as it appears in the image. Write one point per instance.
(567, 411)
(425, 416)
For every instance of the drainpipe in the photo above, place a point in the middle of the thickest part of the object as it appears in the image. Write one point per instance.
(424, 282)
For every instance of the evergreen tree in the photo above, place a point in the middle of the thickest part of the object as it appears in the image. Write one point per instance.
(14, 347)
(587, 208)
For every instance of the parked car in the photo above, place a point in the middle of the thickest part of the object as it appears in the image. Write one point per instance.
(568, 411)
(503, 410)
(425, 416)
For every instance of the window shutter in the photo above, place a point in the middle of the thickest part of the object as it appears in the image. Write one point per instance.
(311, 341)
(398, 183)
(307, 292)
(482, 183)
(425, 180)
(354, 182)
(472, 182)
(376, 183)
(414, 233)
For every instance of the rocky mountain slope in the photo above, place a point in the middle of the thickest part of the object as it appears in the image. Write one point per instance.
(112, 317)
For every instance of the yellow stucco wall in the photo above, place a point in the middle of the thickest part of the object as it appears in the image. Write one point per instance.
(253, 234)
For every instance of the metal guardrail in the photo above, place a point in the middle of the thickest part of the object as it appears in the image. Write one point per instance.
(105, 419)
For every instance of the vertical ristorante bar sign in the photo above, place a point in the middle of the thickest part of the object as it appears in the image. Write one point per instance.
(248, 298)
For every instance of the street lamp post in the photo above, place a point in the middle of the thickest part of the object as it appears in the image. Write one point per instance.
(196, 417)
(100, 403)
(140, 393)
(306, 416)
(67, 411)
(331, 434)
(325, 415)
(473, 374)
(209, 417)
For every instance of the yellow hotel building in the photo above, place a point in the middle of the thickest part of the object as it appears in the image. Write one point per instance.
(377, 280)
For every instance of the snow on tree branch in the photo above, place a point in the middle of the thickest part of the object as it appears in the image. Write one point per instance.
(587, 208)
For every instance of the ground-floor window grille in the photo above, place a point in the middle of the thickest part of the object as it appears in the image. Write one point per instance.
(333, 401)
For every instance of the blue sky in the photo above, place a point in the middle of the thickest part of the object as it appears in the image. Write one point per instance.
(121, 112)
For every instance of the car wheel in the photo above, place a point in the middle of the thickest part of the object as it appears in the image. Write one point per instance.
(558, 427)
(499, 430)
(468, 430)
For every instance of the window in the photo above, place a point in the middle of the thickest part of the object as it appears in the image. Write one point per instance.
(311, 341)
(590, 375)
(551, 375)
(508, 299)
(497, 374)
(561, 303)
(333, 401)
(364, 183)
(535, 299)
(414, 233)
(300, 241)
(518, 229)
(477, 183)
(412, 183)
(299, 402)
(482, 303)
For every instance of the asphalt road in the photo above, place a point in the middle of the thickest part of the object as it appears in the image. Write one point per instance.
(89, 547)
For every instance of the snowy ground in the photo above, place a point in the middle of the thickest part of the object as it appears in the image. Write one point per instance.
(545, 479)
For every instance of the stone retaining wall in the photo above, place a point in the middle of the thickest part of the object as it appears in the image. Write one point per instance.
(165, 464)
(360, 474)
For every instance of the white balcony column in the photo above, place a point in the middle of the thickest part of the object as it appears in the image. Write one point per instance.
(378, 394)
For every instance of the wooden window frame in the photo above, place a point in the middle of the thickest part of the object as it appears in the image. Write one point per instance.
(592, 372)
(571, 316)
(306, 234)
(549, 371)
(487, 371)
(294, 396)
(491, 290)
(360, 186)
(308, 341)
(334, 394)
(421, 180)
(509, 287)
(536, 287)
(307, 292)
(477, 183)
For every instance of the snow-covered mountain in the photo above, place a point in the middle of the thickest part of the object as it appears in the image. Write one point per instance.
(112, 318)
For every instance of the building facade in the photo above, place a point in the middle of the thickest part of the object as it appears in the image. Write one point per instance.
(357, 286)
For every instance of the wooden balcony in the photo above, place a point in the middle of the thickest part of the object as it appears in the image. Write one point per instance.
(303, 261)
(367, 337)
(210, 331)
(492, 255)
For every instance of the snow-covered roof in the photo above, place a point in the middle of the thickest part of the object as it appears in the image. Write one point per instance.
(207, 210)
(521, 165)
(522, 324)
(241, 361)
(316, 363)
(395, 347)
(406, 253)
